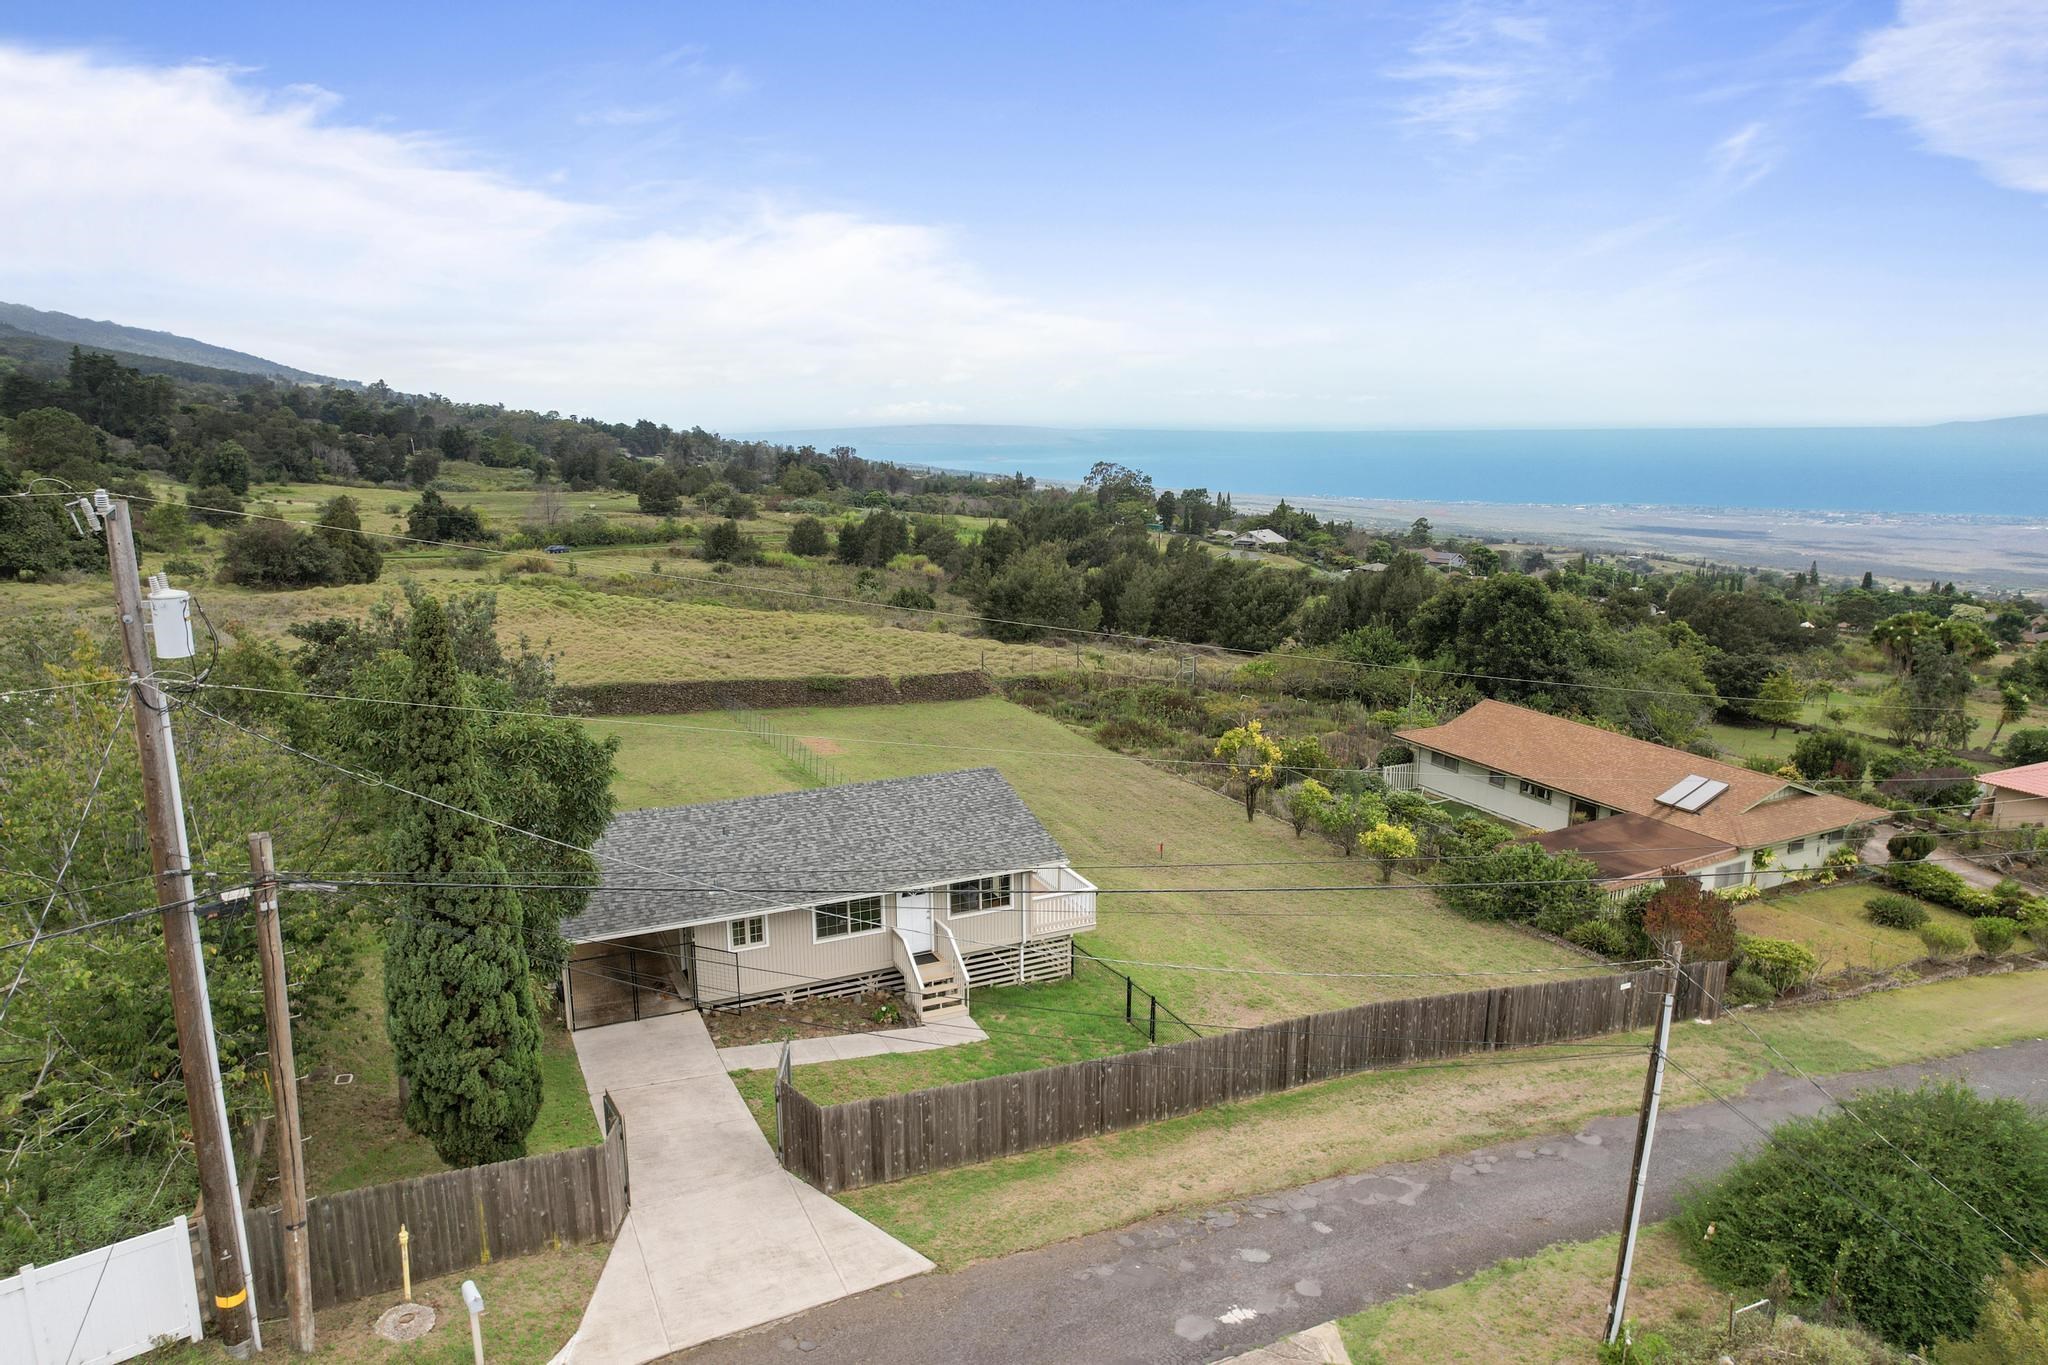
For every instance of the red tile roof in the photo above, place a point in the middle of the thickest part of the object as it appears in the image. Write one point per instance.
(1629, 774)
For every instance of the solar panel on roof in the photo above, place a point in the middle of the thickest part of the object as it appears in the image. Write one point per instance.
(1698, 797)
(1691, 783)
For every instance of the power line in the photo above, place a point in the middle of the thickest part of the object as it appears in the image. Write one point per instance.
(978, 618)
(70, 849)
(692, 728)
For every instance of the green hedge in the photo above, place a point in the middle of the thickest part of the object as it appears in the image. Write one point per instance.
(1785, 965)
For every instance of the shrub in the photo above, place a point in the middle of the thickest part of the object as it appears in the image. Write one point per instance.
(1911, 848)
(1934, 883)
(215, 504)
(1783, 964)
(2009, 894)
(2027, 746)
(1943, 940)
(1701, 921)
(1824, 755)
(807, 538)
(1946, 784)
(912, 599)
(1740, 893)
(725, 544)
(1894, 911)
(2013, 1326)
(1994, 934)
(1609, 938)
(1850, 1220)
(1304, 803)
(1745, 987)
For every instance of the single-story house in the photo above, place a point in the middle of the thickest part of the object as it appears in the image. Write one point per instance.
(1565, 780)
(924, 885)
(1260, 539)
(1442, 559)
(2015, 796)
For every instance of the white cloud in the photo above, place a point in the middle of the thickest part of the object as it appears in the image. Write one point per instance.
(1971, 76)
(1485, 64)
(1744, 157)
(192, 199)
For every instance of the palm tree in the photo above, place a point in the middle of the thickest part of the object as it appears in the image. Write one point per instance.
(2012, 706)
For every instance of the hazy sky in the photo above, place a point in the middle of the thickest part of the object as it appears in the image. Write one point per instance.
(1247, 214)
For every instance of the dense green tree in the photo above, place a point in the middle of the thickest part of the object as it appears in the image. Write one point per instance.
(341, 526)
(873, 540)
(661, 492)
(465, 1031)
(807, 538)
(215, 504)
(2027, 746)
(36, 537)
(1511, 633)
(1830, 755)
(725, 543)
(1778, 702)
(263, 553)
(51, 441)
(432, 518)
(224, 463)
(1035, 590)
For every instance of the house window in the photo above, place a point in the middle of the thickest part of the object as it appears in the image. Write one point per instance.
(1536, 793)
(842, 919)
(751, 932)
(983, 893)
(1444, 761)
(1795, 845)
(1497, 779)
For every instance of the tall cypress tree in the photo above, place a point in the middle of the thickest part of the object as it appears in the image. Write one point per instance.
(458, 1000)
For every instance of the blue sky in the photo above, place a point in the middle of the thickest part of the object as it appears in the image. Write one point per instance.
(1241, 214)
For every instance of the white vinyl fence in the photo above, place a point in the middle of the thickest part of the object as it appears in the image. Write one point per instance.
(107, 1305)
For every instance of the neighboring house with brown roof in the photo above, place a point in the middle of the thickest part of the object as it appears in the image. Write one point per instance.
(2015, 796)
(1562, 777)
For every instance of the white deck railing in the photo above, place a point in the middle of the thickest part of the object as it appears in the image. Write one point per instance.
(1062, 901)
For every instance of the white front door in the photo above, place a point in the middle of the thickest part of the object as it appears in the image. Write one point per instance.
(914, 918)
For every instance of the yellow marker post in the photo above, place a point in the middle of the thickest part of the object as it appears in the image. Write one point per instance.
(405, 1259)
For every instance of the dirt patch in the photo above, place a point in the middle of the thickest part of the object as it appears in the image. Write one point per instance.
(822, 1018)
(822, 746)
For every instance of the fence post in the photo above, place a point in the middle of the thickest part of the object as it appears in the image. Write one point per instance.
(1127, 997)
(1154, 1027)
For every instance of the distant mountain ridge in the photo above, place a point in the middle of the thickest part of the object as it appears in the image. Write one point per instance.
(114, 336)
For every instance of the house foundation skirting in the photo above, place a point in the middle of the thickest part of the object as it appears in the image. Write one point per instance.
(1044, 959)
(885, 979)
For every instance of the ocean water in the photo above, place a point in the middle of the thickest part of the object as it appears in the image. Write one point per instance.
(1996, 468)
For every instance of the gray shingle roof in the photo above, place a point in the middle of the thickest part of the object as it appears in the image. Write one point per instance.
(799, 848)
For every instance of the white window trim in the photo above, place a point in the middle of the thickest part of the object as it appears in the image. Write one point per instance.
(1445, 761)
(1008, 904)
(1498, 781)
(881, 927)
(1529, 789)
(732, 947)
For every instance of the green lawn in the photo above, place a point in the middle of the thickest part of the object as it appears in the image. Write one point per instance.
(354, 1134)
(1359, 1122)
(1027, 1026)
(1830, 921)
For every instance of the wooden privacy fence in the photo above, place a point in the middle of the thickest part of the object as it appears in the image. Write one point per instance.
(873, 1141)
(455, 1219)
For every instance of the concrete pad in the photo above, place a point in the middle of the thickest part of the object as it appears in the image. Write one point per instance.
(840, 1047)
(720, 1238)
(1320, 1345)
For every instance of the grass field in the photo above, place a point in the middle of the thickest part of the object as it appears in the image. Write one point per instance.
(1830, 921)
(1358, 1122)
(354, 1135)
(1538, 1310)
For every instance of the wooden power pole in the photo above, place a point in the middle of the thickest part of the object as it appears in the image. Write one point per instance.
(284, 1086)
(171, 860)
(1646, 1131)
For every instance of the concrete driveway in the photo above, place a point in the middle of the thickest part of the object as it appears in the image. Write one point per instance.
(720, 1237)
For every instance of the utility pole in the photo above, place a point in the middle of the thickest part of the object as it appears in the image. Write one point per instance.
(1646, 1131)
(284, 1086)
(171, 860)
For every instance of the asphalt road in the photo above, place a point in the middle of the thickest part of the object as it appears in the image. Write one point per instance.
(1203, 1287)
